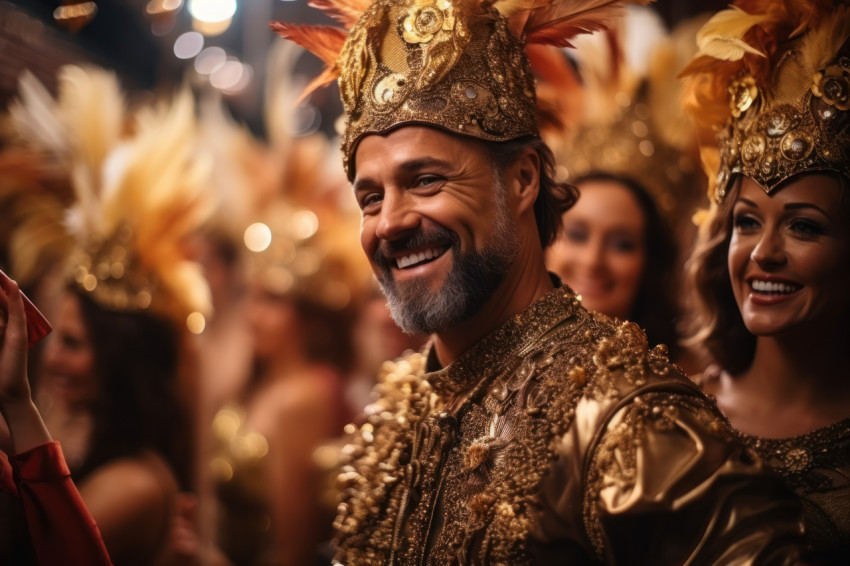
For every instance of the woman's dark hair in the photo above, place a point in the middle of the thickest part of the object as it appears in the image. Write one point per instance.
(656, 307)
(554, 198)
(715, 324)
(327, 333)
(136, 361)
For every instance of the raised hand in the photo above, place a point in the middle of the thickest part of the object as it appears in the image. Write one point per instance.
(22, 418)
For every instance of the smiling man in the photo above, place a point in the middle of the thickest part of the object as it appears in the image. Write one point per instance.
(530, 431)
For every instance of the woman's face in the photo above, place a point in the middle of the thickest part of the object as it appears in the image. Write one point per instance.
(273, 321)
(69, 356)
(602, 250)
(788, 255)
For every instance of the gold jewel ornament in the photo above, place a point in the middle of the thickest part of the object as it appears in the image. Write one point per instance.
(459, 65)
(773, 80)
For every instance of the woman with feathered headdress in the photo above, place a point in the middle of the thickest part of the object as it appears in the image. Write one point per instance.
(772, 266)
(112, 366)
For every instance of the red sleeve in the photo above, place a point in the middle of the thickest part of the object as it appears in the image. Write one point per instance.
(61, 529)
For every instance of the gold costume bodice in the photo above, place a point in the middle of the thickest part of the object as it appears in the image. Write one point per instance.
(817, 466)
(558, 439)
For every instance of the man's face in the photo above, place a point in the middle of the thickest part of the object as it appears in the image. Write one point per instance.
(436, 225)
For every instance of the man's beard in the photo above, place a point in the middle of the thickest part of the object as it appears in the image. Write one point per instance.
(473, 278)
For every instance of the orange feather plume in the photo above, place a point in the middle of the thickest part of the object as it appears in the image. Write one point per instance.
(325, 42)
(346, 12)
(558, 21)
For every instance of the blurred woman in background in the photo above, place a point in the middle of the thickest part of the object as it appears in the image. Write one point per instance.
(617, 252)
(113, 380)
(115, 366)
(298, 310)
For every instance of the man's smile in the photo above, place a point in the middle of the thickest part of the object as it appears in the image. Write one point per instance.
(419, 257)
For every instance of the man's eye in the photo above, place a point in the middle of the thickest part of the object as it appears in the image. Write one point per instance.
(426, 180)
(370, 199)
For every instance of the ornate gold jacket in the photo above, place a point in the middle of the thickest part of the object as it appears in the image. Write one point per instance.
(816, 465)
(558, 439)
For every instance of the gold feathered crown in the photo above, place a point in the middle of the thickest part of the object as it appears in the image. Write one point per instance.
(617, 118)
(459, 65)
(772, 79)
(140, 191)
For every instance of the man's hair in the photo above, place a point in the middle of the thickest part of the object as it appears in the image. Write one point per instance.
(554, 198)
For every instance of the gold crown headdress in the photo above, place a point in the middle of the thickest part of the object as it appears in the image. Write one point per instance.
(773, 80)
(618, 118)
(456, 64)
(140, 190)
(300, 240)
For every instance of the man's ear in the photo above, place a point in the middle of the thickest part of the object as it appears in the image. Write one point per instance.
(523, 180)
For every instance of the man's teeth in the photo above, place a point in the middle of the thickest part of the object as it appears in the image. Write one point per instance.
(773, 287)
(415, 258)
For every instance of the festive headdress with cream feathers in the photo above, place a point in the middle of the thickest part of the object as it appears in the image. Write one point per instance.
(139, 186)
(612, 112)
(459, 65)
(285, 199)
(773, 79)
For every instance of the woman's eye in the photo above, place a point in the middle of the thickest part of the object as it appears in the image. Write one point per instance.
(622, 244)
(744, 222)
(71, 342)
(575, 235)
(806, 227)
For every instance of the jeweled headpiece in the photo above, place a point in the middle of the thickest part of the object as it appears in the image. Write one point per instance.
(140, 190)
(459, 65)
(622, 119)
(773, 79)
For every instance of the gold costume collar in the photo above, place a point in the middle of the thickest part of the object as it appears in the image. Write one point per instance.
(504, 346)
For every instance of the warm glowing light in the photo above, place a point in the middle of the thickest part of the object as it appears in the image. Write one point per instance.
(210, 29)
(304, 224)
(209, 60)
(258, 237)
(196, 323)
(155, 7)
(244, 81)
(188, 45)
(71, 11)
(228, 74)
(212, 10)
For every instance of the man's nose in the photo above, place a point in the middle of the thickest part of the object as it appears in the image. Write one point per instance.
(397, 217)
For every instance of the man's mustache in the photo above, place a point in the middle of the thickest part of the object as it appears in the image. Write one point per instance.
(435, 236)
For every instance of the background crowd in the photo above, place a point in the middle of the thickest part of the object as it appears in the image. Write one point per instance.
(216, 324)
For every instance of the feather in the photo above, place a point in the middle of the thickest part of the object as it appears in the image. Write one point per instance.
(159, 192)
(325, 42)
(722, 37)
(327, 77)
(516, 12)
(821, 45)
(558, 21)
(36, 118)
(347, 12)
(91, 106)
